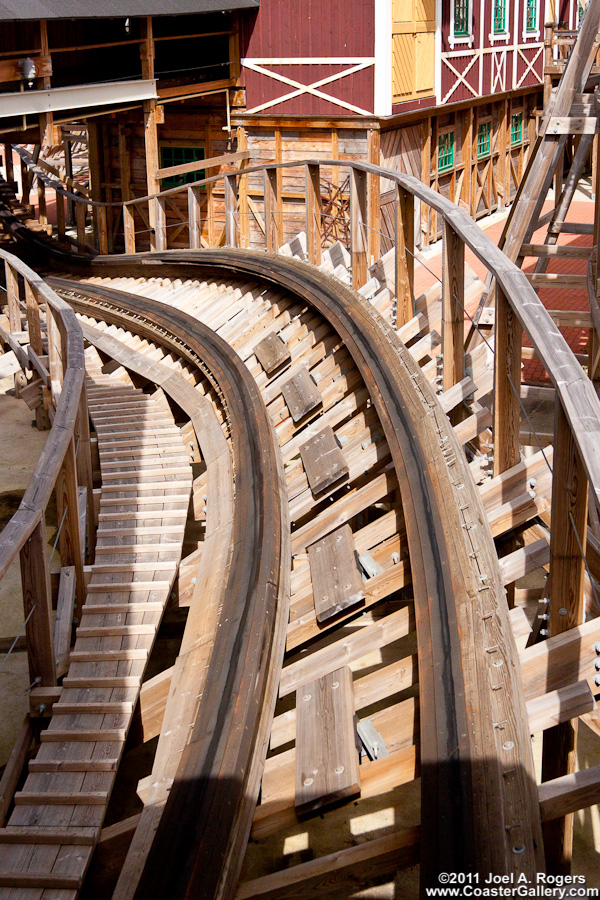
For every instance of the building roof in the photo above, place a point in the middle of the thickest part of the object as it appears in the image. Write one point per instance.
(105, 9)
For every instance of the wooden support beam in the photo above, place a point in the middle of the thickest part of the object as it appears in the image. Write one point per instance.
(507, 382)
(563, 796)
(348, 869)
(194, 197)
(85, 476)
(60, 214)
(128, 228)
(313, 213)
(152, 162)
(373, 198)
(8, 165)
(33, 318)
(69, 539)
(453, 316)
(37, 603)
(405, 260)
(358, 227)
(12, 297)
(231, 202)
(560, 706)
(159, 206)
(14, 768)
(64, 620)
(567, 570)
(80, 212)
(273, 211)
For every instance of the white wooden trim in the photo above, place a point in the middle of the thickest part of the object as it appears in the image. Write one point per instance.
(437, 85)
(307, 88)
(306, 60)
(461, 76)
(382, 100)
(457, 39)
(530, 65)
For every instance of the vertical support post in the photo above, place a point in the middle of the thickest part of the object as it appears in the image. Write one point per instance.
(567, 569)
(33, 318)
(507, 368)
(8, 166)
(231, 197)
(358, 218)
(373, 199)
(102, 228)
(152, 158)
(55, 355)
(60, 215)
(210, 213)
(69, 541)
(128, 228)
(159, 205)
(243, 205)
(426, 178)
(313, 213)
(42, 211)
(68, 175)
(405, 262)
(37, 603)
(25, 186)
(194, 217)
(12, 296)
(95, 161)
(453, 317)
(273, 217)
(83, 452)
(80, 211)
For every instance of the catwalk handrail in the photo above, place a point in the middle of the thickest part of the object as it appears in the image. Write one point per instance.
(65, 462)
(515, 295)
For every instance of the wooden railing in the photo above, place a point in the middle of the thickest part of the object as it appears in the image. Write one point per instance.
(45, 336)
(518, 309)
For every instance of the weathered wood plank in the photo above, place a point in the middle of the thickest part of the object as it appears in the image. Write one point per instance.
(323, 461)
(336, 580)
(326, 755)
(272, 352)
(301, 394)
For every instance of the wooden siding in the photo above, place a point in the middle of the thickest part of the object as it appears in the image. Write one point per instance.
(285, 144)
(479, 185)
(182, 128)
(316, 29)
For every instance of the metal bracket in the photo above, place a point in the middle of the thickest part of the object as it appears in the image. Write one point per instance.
(372, 742)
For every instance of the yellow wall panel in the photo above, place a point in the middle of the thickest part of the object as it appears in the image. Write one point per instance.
(424, 62)
(403, 49)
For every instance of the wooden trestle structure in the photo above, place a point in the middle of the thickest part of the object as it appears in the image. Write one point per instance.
(282, 421)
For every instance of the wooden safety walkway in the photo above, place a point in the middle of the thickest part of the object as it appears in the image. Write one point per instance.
(146, 486)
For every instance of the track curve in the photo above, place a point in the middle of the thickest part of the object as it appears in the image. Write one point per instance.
(473, 776)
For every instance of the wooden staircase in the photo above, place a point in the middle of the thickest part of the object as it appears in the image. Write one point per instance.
(146, 485)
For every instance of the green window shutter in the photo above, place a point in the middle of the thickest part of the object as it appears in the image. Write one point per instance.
(483, 139)
(461, 18)
(499, 16)
(516, 128)
(531, 20)
(446, 151)
(178, 156)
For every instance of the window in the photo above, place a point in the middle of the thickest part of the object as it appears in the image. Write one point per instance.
(516, 128)
(178, 156)
(499, 16)
(445, 151)
(461, 18)
(483, 139)
(531, 16)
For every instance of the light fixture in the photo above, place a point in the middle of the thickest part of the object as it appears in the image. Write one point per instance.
(27, 70)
